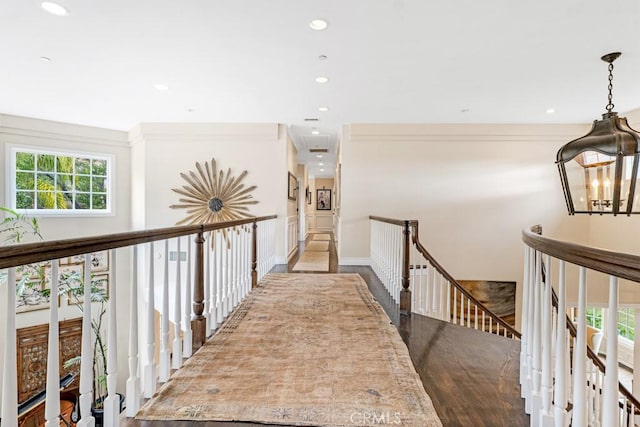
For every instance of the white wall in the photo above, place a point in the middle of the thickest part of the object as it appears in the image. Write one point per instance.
(62, 136)
(171, 148)
(473, 188)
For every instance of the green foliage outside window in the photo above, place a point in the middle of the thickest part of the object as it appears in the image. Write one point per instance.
(60, 182)
(626, 321)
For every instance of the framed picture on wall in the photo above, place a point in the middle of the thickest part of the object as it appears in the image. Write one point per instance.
(292, 187)
(323, 200)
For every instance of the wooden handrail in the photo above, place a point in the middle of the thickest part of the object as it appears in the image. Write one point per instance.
(29, 253)
(618, 264)
(393, 221)
(457, 285)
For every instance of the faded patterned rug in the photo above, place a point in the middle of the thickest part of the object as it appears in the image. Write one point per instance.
(312, 261)
(323, 236)
(302, 349)
(317, 245)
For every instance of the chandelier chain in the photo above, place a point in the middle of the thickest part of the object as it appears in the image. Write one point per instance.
(610, 104)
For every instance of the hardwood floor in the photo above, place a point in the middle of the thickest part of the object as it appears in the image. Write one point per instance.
(471, 377)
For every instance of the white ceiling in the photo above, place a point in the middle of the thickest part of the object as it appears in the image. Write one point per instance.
(456, 61)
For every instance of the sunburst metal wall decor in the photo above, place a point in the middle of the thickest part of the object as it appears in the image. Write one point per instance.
(213, 196)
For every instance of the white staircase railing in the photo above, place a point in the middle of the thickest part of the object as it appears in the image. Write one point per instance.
(406, 268)
(217, 264)
(562, 380)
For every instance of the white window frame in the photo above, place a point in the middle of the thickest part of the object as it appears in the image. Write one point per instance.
(11, 180)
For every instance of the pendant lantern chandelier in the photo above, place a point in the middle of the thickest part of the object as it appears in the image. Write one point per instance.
(599, 171)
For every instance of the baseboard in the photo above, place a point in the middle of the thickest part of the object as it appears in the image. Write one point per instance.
(354, 261)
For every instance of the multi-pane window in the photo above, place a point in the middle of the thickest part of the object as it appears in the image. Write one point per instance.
(594, 317)
(54, 182)
(626, 321)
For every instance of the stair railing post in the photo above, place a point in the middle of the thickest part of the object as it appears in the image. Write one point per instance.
(405, 293)
(198, 323)
(254, 255)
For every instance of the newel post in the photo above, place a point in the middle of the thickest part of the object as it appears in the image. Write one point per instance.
(254, 255)
(405, 293)
(198, 323)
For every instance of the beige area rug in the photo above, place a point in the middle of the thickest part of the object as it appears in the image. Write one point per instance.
(315, 245)
(303, 349)
(323, 236)
(312, 261)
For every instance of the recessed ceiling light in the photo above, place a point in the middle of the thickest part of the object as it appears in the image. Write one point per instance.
(54, 8)
(319, 156)
(318, 24)
(190, 110)
(464, 110)
(322, 79)
(45, 59)
(323, 109)
(315, 132)
(321, 170)
(320, 164)
(550, 110)
(161, 87)
(322, 57)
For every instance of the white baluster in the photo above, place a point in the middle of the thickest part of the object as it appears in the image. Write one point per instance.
(561, 349)
(218, 271)
(133, 382)
(524, 322)
(447, 317)
(610, 395)
(530, 300)
(536, 398)
(247, 264)
(414, 281)
(86, 356)
(176, 359)
(165, 362)
(186, 312)
(10, 382)
(579, 413)
(444, 298)
(225, 277)
(213, 281)
(236, 264)
(427, 294)
(475, 317)
(52, 405)
(546, 390)
(598, 398)
(636, 362)
(233, 296)
(149, 368)
(454, 306)
(207, 287)
(483, 321)
(112, 402)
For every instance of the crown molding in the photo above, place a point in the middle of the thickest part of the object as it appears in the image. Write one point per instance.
(198, 132)
(50, 130)
(398, 132)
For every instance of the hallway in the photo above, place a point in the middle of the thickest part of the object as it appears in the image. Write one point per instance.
(472, 385)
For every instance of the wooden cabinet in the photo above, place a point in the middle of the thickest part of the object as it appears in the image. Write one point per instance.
(33, 343)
